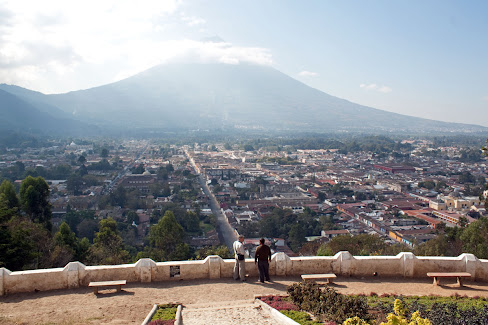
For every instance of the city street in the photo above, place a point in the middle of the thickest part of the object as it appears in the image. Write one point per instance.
(226, 233)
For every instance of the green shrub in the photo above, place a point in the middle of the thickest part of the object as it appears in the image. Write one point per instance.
(398, 317)
(327, 303)
(300, 317)
(165, 312)
(355, 321)
(452, 310)
(279, 303)
(305, 295)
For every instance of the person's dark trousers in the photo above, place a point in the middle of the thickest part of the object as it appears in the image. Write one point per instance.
(263, 267)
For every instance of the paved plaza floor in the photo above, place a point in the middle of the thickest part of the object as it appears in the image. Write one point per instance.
(81, 306)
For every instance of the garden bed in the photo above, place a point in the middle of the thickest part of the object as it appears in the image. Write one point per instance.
(451, 310)
(166, 314)
(330, 307)
(286, 312)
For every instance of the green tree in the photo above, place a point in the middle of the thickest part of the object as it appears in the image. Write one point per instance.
(83, 249)
(475, 237)
(296, 237)
(74, 184)
(165, 240)
(65, 237)
(466, 177)
(61, 171)
(155, 189)
(447, 243)
(82, 160)
(321, 197)
(356, 245)
(118, 197)
(87, 228)
(8, 253)
(181, 252)
(65, 246)
(139, 169)
(104, 153)
(191, 222)
(7, 189)
(19, 167)
(6, 213)
(437, 246)
(162, 173)
(221, 251)
(108, 247)
(16, 250)
(101, 165)
(73, 218)
(166, 191)
(82, 171)
(429, 184)
(440, 185)
(34, 197)
(24, 245)
(132, 216)
(463, 221)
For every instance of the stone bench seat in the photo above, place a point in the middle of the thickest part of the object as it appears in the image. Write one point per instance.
(458, 275)
(317, 277)
(117, 283)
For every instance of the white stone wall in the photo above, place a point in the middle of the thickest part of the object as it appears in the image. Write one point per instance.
(76, 274)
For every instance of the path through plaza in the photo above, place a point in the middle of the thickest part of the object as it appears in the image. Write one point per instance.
(243, 312)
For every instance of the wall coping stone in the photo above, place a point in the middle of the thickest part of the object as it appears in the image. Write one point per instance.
(74, 266)
(75, 274)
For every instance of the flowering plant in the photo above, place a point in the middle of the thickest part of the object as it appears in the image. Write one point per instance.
(278, 303)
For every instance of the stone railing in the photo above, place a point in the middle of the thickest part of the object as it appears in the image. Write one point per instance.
(75, 274)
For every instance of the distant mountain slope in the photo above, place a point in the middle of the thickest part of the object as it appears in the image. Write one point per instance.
(204, 96)
(244, 96)
(35, 98)
(16, 114)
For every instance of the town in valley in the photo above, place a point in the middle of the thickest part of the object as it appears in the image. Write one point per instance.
(298, 194)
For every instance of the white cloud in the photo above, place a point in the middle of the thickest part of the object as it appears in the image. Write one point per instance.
(485, 98)
(306, 73)
(97, 42)
(193, 51)
(375, 87)
(228, 60)
(193, 21)
(384, 89)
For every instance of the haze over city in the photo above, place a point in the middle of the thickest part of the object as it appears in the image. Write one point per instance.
(424, 59)
(243, 162)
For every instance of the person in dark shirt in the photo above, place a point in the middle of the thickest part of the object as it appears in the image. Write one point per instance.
(262, 258)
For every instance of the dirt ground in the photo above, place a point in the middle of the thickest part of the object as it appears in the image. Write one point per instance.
(82, 306)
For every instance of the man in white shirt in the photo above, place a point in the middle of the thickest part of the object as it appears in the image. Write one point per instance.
(240, 266)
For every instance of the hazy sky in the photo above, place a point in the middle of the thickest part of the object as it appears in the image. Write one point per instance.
(418, 57)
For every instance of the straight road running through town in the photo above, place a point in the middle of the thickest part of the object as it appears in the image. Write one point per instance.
(224, 228)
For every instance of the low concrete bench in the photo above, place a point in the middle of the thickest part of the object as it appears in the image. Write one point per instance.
(458, 275)
(317, 277)
(118, 284)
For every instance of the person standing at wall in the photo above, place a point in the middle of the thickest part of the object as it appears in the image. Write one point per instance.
(262, 258)
(240, 265)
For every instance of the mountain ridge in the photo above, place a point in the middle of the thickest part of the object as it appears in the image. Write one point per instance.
(19, 115)
(243, 96)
